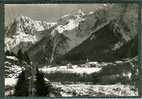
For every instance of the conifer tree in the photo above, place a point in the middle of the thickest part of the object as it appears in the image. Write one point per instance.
(12, 54)
(26, 57)
(20, 56)
(21, 88)
(40, 85)
(7, 53)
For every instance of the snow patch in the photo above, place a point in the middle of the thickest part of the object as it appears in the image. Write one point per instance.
(10, 81)
(12, 58)
(74, 69)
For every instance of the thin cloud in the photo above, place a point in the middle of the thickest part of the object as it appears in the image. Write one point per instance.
(49, 12)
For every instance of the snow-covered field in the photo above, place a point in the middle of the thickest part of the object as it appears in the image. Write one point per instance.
(73, 69)
(9, 85)
(69, 90)
(88, 68)
(10, 81)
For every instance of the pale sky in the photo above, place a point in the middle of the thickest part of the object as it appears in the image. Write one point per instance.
(49, 12)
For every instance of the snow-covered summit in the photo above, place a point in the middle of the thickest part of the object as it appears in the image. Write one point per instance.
(81, 12)
(24, 32)
(68, 22)
(29, 26)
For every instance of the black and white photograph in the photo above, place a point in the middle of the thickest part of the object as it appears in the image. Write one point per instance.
(71, 50)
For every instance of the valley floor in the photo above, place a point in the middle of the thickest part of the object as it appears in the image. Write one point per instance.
(81, 89)
(73, 80)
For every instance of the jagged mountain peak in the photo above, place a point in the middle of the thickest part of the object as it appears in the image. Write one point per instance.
(69, 22)
(72, 16)
(26, 25)
(81, 12)
(24, 32)
(22, 18)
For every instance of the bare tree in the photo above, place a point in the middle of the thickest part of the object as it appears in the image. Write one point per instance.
(59, 40)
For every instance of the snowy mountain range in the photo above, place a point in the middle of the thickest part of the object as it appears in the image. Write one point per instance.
(97, 35)
(82, 54)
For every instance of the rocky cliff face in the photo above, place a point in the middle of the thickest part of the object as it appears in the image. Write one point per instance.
(104, 45)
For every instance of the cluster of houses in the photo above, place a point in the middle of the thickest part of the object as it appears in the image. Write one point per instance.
(86, 65)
